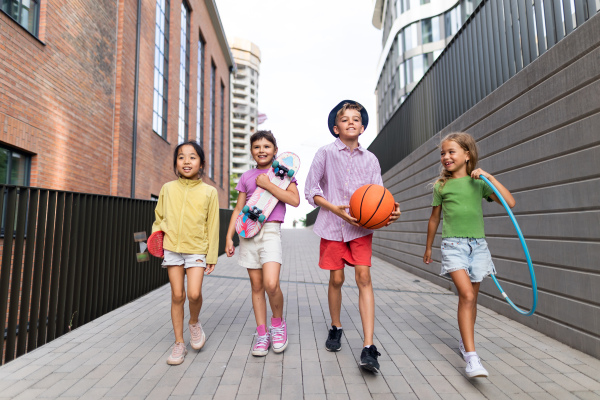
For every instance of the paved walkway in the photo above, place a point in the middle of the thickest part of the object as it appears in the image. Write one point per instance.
(123, 354)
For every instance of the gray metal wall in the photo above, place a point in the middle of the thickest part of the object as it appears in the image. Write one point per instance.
(539, 134)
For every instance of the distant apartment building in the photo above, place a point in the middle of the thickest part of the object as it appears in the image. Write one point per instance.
(244, 116)
(415, 32)
(88, 100)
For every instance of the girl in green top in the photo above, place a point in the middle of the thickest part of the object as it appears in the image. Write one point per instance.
(465, 256)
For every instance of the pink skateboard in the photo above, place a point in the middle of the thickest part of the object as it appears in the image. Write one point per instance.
(262, 202)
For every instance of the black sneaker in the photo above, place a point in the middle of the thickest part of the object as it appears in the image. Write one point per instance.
(368, 358)
(334, 338)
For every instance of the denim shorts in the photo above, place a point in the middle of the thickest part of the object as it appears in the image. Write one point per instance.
(469, 254)
(187, 260)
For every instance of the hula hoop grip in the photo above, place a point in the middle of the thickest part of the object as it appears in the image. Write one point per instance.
(525, 250)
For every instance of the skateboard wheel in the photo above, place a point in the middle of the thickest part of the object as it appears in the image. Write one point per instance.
(275, 164)
(291, 173)
(276, 170)
(261, 218)
(245, 209)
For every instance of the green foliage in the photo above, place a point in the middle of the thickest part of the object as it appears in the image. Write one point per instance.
(233, 194)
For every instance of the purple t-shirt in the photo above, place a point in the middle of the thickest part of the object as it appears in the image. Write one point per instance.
(247, 184)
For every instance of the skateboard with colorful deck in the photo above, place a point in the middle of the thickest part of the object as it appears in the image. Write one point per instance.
(260, 205)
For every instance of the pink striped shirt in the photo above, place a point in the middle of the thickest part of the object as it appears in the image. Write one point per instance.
(336, 172)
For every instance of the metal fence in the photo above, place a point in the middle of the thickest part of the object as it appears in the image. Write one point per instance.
(68, 258)
(498, 40)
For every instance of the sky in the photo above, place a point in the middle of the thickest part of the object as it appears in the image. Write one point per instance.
(314, 54)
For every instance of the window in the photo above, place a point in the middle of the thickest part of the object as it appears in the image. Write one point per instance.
(25, 12)
(402, 74)
(184, 75)
(200, 95)
(161, 68)
(400, 40)
(14, 168)
(430, 30)
(222, 133)
(211, 129)
(415, 68)
(410, 37)
(453, 21)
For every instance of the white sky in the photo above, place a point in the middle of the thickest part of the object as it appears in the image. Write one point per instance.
(314, 54)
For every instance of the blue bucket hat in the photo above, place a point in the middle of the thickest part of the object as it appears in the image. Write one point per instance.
(331, 120)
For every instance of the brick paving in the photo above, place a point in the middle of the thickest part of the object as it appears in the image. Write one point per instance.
(123, 354)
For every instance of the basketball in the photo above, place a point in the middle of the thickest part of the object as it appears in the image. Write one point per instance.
(372, 206)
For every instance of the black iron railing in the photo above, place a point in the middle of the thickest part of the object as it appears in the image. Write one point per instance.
(498, 40)
(68, 258)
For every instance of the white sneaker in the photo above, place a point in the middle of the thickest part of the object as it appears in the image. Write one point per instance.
(474, 368)
(461, 347)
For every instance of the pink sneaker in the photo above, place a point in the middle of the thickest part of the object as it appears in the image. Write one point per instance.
(279, 334)
(263, 341)
(178, 354)
(197, 336)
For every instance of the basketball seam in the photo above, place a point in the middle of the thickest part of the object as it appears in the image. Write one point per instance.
(361, 203)
(370, 227)
(374, 212)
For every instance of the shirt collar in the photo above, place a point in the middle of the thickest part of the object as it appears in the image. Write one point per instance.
(189, 182)
(341, 146)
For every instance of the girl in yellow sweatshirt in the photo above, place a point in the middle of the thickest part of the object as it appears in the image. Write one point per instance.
(188, 214)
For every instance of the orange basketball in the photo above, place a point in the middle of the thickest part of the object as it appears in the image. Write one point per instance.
(372, 206)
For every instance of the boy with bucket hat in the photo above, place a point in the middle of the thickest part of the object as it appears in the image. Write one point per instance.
(337, 170)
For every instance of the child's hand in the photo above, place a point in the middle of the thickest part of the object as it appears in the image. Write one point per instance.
(340, 211)
(229, 247)
(427, 256)
(395, 214)
(262, 181)
(209, 268)
(476, 173)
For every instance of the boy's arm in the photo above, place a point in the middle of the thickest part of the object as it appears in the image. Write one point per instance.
(376, 179)
(434, 222)
(313, 180)
(340, 211)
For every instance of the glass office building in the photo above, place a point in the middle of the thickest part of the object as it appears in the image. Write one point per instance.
(415, 32)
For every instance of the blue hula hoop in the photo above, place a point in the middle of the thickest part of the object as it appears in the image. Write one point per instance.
(525, 249)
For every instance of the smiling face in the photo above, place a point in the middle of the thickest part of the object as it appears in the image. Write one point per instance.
(349, 125)
(263, 152)
(454, 158)
(188, 162)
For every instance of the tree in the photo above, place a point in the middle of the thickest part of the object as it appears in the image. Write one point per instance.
(233, 194)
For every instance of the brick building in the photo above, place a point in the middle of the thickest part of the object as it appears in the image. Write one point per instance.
(68, 116)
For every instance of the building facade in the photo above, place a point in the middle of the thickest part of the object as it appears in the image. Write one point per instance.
(95, 95)
(244, 103)
(415, 32)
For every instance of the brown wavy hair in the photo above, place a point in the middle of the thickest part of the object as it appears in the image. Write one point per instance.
(468, 144)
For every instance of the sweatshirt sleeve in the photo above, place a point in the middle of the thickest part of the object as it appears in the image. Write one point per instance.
(313, 180)
(212, 223)
(159, 211)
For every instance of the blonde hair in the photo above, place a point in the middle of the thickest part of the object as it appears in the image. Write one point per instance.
(346, 107)
(468, 144)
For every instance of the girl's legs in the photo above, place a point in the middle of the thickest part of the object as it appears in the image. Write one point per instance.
(195, 276)
(467, 307)
(270, 276)
(258, 296)
(176, 275)
(334, 296)
(366, 302)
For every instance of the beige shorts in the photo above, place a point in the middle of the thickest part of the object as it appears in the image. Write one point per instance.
(187, 260)
(263, 248)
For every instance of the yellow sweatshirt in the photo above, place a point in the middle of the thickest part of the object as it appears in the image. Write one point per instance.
(188, 213)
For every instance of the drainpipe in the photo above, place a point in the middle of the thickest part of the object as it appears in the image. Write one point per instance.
(135, 96)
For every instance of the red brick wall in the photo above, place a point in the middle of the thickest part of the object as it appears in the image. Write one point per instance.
(69, 100)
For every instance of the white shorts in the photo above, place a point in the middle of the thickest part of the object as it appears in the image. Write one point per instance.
(263, 248)
(187, 260)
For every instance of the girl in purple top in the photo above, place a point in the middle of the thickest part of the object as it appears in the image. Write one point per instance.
(261, 254)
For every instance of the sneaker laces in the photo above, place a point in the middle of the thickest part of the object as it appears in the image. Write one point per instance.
(177, 350)
(333, 334)
(373, 351)
(262, 340)
(277, 332)
(196, 331)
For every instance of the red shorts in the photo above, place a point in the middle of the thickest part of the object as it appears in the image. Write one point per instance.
(334, 255)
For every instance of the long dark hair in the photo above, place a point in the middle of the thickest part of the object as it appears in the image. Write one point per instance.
(198, 149)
